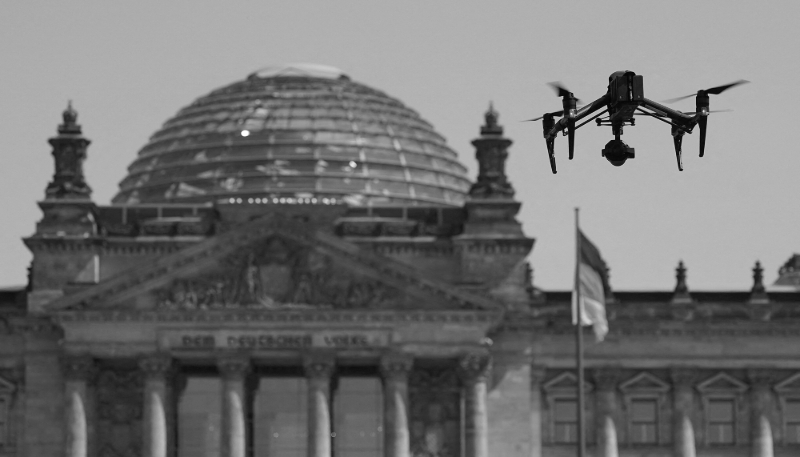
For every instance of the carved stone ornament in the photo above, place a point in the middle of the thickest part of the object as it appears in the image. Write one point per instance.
(119, 412)
(763, 379)
(78, 367)
(606, 379)
(396, 365)
(683, 378)
(319, 365)
(156, 366)
(475, 367)
(233, 367)
(69, 151)
(435, 411)
(279, 274)
(491, 152)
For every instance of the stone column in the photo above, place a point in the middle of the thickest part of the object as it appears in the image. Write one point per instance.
(233, 370)
(683, 407)
(537, 376)
(475, 371)
(397, 439)
(606, 404)
(156, 405)
(77, 372)
(319, 367)
(761, 401)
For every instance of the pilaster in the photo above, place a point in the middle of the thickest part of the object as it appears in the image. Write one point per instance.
(395, 368)
(475, 371)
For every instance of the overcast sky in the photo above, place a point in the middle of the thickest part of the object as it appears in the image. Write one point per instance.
(129, 66)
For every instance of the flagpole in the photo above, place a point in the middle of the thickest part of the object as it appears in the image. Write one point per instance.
(579, 338)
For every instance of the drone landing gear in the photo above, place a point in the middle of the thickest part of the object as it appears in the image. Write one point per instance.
(677, 140)
(552, 153)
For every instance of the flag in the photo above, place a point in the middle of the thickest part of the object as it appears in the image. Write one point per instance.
(590, 277)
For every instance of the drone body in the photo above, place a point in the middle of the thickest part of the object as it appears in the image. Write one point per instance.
(623, 100)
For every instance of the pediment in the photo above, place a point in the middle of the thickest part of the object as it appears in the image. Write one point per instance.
(722, 382)
(6, 386)
(274, 262)
(565, 382)
(644, 382)
(790, 384)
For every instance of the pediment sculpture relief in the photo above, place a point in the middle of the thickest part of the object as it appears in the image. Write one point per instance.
(279, 274)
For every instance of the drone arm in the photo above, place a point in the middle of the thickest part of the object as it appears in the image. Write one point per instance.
(582, 113)
(669, 112)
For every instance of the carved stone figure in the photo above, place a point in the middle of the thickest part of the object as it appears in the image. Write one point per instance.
(277, 274)
(434, 396)
(119, 410)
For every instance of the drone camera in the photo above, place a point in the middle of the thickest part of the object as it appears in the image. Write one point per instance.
(617, 152)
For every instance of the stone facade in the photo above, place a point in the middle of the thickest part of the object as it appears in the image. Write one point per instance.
(437, 301)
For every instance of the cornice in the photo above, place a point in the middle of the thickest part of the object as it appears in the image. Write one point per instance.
(298, 316)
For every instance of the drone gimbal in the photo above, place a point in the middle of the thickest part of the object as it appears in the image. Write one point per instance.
(624, 99)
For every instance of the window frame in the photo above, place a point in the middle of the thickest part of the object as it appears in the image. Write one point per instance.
(787, 390)
(562, 387)
(645, 386)
(733, 391)
(7, 389)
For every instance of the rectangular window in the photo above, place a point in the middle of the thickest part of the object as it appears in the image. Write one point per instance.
(565, 417)
(199, 418)
(281, 414)
(791, 417)
(644, 421)
(3, 421)
(721, 421)
(358, 417)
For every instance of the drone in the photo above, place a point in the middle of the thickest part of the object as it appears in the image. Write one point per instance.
(624, 99)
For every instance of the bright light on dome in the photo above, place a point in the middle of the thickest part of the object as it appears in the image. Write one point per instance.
(245, 132)
(353, 164)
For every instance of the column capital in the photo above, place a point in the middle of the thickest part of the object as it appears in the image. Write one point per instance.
(475, 367)
(762, 379)
(396, 365)
(156, 366)
(606, 379)
(78, 367)
(538, 373)
(233, 366)
(683, 377)
(319, 364)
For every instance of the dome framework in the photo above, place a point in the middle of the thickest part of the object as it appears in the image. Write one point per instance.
(290, 135)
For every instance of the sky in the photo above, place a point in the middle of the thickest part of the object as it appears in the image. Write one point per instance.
(129, 66)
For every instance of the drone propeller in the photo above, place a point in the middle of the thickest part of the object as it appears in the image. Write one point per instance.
(554, 113)
(561, 91)
(687, 112)
(712, 91)
(570, 104)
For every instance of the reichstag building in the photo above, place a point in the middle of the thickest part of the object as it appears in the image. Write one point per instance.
(297, 264)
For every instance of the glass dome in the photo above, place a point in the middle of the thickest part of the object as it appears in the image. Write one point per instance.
(296, 134)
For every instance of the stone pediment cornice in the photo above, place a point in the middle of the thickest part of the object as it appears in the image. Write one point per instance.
(205, 253)
(476, 317)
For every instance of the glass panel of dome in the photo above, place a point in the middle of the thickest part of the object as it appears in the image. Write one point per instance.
(324, 124)
(381, 155)
(386, 171)
(417, 159)
(386, 187)
(275, 123)
(423, 176)
(301, 123)
(342, 184)
(383, 141)
(410, 145)
(339, 153)
(369, 127)
(290, 183)
(428, 192)
(301, 112)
